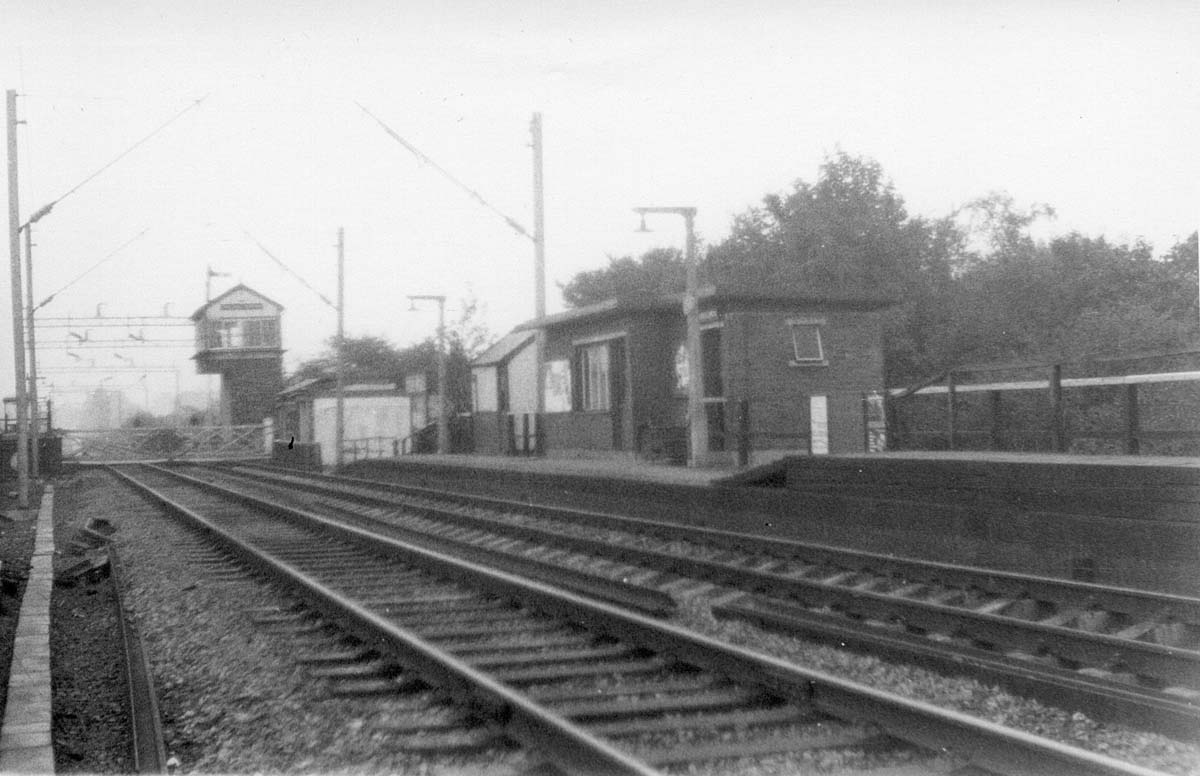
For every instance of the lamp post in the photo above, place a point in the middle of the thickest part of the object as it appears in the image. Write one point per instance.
(697, 417)
(443, 422)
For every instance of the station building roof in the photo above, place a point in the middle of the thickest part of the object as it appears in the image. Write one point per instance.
(503, 349)
(711, 296)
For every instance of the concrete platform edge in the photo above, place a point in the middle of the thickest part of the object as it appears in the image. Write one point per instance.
(25, 742)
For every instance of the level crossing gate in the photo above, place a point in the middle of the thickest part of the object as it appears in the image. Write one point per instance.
(175, 443)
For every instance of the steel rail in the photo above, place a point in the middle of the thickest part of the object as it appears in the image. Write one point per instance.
(1169, 664)
(525, 720)
(1100, 697)
(147, 747)
(982, 744)
(991, 581)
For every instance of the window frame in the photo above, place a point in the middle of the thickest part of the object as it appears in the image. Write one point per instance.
(816, 324)
(595, 377)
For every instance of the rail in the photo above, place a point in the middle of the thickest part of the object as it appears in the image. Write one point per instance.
(983, 744)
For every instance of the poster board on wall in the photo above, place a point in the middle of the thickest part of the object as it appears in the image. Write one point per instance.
(557, 386)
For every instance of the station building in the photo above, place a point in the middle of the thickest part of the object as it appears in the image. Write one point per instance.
(783, 372)
(238, 338)
(376, 419)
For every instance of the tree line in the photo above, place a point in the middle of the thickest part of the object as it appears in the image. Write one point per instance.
(971, 287)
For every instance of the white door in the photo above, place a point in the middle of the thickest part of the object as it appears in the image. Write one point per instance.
(818, 421)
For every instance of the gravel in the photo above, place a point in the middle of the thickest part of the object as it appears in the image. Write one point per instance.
(958, 693)
(231, 698)
(90, 714)
(16, 549)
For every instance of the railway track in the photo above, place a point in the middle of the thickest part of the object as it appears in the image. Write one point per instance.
(1118, 654)
(595, 687)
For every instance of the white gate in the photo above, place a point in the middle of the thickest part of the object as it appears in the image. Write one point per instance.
(177, 443)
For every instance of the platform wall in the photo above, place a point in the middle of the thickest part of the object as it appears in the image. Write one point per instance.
(1149, 549)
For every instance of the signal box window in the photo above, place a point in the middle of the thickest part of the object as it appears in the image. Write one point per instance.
(807, 349)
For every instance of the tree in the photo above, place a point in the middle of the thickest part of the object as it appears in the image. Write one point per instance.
(846, 233)
(658, 271)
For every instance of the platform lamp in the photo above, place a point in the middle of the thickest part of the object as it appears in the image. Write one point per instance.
(697, 417)
(443, 423)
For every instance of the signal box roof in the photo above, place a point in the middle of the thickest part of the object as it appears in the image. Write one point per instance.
(202, 312)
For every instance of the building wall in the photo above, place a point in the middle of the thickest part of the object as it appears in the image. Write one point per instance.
(591, 431)
(483, 386)
(757, 354)
(757, 364)
(522, 380)
(488, 432)
(657, 402)
(366, 417)
(249, 388)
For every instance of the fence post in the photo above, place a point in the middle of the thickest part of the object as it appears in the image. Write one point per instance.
(524, 433)
(743, 432)
(1058, 425)
(1133, 445)
(950, 408)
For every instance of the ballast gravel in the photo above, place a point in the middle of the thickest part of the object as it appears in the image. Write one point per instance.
(962, 694)
(231, 698)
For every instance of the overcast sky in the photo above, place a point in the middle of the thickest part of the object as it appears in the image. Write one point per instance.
(1091, 107)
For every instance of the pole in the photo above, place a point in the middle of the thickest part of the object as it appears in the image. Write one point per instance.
(14, 255)
(34, 427)
(697, 417)
(539, 221)
(443, 429)
(339, 425)
(539, 264)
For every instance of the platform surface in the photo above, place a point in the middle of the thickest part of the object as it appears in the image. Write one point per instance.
(621, 469)
(1038, 458)
(25, 744)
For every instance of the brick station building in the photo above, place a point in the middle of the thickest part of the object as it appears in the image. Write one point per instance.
(783, 372)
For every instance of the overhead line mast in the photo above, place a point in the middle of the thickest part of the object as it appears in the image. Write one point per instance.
(14, 255)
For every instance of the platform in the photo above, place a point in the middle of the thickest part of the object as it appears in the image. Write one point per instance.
(1118, 520)
(25, 745)
(607, 468)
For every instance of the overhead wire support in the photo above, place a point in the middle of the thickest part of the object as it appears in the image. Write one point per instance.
(446, 173)
(45, 209)
(87, 271)
(288, 269)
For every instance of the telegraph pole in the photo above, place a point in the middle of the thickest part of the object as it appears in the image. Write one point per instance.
(18, 307)
(34, 431)
(340, 427)
(539, 266)
(539, 221)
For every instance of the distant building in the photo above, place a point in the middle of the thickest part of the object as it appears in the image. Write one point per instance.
(782, 372)
(238, 337)
(376, 419)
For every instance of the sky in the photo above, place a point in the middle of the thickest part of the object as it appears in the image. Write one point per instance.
(1090, 107)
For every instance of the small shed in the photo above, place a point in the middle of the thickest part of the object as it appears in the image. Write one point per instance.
(504, 395)
(782, 372)
(376, 418)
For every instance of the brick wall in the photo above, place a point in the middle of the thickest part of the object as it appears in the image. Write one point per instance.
(757, 354)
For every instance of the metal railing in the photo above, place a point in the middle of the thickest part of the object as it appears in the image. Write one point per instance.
(370, 447)
(166, 443)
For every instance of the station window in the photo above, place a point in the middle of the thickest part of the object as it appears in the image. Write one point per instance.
(592, 365)
(806, 342)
